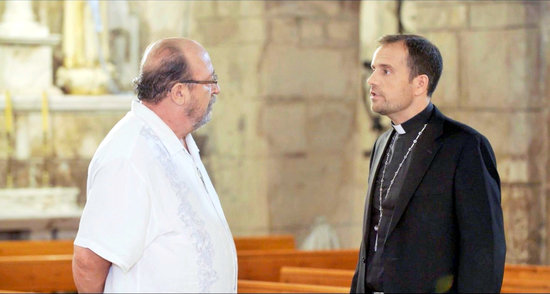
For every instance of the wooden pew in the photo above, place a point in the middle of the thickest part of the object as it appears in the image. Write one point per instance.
(52, 273)
(266, 265)
(35, 247)
(37, 273)
(523, 278)
(45, 266)
(270, 242)
(316, 276)
(517, 278)
(54, 247)
(247, 286)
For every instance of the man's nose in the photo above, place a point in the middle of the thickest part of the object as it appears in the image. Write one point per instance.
(371, 80)
(216, 88)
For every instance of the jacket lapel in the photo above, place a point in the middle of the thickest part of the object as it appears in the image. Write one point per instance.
(422, 155)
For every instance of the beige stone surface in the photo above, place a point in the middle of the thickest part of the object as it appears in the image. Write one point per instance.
(235, 130)
(173, 23)
(307, 72)
(329, 126)
(78, 135)
(303, 188)
(229, 8)
(447, 92)
(546, 188)
(348, 204)
(513, 170)
(302, 8)
(252, 8)
(504, 14)
(499, 68)
(237, 70)
(312, 32)
(510, 133)
(378, 18)
(284, 126)
(523, 213)
(350, 235)
(342, 31)
(241, 185)
(204, 9)
(434, 15)
(229, 31)
(240, 8)
(284, 31)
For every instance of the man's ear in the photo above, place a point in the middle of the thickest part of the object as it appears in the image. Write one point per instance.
(179, 94)
(421, 83)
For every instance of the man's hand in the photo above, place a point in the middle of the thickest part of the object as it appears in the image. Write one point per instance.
(89, 270)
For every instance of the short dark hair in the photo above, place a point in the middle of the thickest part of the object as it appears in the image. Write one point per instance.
(154, 82)
(424, 57)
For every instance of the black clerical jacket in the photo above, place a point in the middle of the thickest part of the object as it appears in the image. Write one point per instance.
(446, 233)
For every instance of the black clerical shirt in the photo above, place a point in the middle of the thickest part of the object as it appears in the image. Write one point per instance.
(394, 154)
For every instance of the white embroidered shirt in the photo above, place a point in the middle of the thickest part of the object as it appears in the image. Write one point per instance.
(153, 212)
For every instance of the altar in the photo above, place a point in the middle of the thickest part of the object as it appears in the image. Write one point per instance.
(53, 116)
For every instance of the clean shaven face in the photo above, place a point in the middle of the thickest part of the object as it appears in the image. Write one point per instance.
(391, 88)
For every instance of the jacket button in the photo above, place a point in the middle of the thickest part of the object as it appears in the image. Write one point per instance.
(364, 260)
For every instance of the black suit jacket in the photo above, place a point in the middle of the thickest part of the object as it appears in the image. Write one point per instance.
(446, 233)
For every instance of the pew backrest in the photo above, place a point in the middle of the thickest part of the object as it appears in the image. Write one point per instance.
(270, 242)
(266, 265)
(247, 286)
(316, 276)
(55, 247)
(517, 278)
(34, 247)
(37, 273)
(526, 278)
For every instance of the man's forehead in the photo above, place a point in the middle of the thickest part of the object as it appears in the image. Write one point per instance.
(391, 54)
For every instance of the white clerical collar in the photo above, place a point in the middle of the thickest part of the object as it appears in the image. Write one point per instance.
(399, 129)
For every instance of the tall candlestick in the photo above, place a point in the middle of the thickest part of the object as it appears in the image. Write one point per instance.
(45, 139)
(8, 114)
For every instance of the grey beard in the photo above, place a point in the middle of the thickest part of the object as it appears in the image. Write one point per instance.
(207, 114)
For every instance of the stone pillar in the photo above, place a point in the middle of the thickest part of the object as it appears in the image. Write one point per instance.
(545, 87)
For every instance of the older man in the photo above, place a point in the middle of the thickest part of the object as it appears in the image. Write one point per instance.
(153, 221)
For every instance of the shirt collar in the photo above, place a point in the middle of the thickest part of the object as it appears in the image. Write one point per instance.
(161, 129)
(415, 122)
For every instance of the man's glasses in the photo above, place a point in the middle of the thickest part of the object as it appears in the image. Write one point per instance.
(213, 81)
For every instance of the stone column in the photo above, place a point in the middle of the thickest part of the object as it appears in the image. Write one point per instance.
(545, 80)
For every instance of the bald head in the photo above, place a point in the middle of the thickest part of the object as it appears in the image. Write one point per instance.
(164, 63)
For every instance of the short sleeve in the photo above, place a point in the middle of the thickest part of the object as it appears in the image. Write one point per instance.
(116, 215)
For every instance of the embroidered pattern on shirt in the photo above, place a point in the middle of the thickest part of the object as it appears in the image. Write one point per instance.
(200, 237)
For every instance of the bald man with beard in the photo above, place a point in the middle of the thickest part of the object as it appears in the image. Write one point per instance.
(153, 221)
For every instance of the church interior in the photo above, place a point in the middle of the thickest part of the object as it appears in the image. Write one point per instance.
(292, 131)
